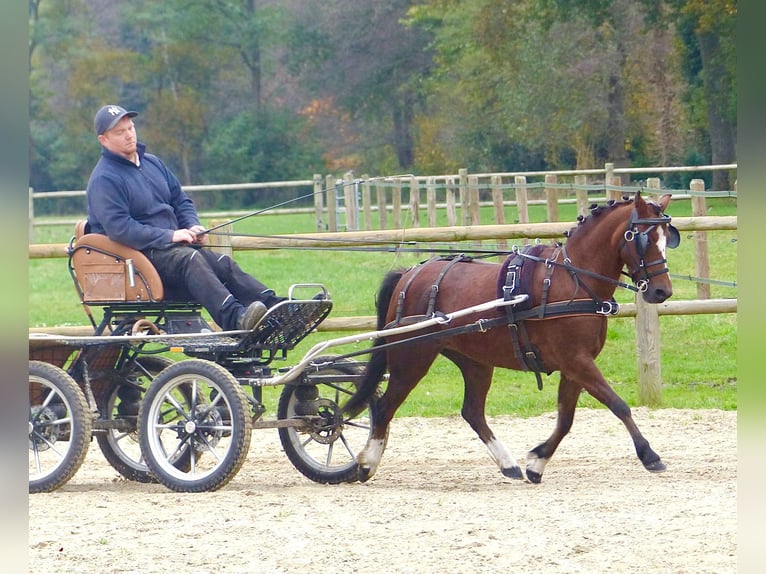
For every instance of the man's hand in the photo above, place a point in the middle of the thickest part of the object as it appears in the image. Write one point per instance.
(189, 235)
(196, 229)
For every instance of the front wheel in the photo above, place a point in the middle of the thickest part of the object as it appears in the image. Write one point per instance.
(324, 449)
(199, 406)
(59, 427)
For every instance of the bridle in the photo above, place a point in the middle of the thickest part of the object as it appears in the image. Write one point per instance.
(640, 273)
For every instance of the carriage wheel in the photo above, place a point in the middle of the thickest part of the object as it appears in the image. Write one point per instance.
(59, 427)
(120, 402)
(194, 404)
(325, 450)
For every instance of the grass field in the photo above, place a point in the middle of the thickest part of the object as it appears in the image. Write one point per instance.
(698, 352)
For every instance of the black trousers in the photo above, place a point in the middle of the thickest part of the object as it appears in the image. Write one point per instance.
(212, 279)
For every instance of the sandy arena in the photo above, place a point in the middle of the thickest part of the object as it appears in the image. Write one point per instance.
(438, 504)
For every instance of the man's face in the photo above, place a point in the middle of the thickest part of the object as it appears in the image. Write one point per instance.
(121, 139)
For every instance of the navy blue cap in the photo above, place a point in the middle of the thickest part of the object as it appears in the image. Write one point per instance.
(108, 116)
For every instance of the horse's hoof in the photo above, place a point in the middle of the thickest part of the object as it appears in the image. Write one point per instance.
(363, 474)
(534, 477)
(656, 466)
(513, 472)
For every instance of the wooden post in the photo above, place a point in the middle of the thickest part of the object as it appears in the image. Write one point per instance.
(552, 197)
(473, 200)
(701, 259)
(647, 324)
(415, 201)
(318, 202)
(31, 217)
(611, 180)
(332, 204)
(396, 204)
(521, 201)
(366, 203)
(499, 208)
(350, 201)
(380, 196)
(431, 200)
(450, 200)
(465, 216)
(582, 194)
(220, 239)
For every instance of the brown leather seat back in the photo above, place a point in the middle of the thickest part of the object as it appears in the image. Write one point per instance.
(107, 271)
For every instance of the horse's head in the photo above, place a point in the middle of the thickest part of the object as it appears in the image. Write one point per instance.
(648, 234)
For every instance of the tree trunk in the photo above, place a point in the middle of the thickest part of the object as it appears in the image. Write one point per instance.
(718, 89)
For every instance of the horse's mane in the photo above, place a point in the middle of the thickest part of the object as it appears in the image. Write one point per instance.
(596, 211)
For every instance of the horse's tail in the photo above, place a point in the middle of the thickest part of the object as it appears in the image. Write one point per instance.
(378, 363)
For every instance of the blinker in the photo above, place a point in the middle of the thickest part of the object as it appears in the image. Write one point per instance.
(674, 238)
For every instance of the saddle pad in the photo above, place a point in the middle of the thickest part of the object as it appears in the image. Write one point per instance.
(523, 273)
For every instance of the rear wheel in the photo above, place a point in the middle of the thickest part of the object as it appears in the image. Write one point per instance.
(119, 406)
(59, 427)
(325, 448)
(198, 405)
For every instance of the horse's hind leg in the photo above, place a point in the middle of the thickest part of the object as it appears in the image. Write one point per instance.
(539, 456)
(478, 378)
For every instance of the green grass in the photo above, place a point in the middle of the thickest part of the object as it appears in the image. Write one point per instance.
(698, 352)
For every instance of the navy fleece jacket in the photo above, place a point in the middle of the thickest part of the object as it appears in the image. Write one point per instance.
(138, 206)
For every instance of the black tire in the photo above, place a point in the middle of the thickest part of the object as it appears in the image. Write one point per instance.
(325, 450)
(194, 404)
(59, 427)
(121, 401)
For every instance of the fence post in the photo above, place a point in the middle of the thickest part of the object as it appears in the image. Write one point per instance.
(220, 240)
(450, 199)
(332, 204)
(350, 201)
(465, 216)
(31, 216)
(648, 345)
(318, 202)
(380, 197)
(701, 260)
(611, 180)
(521, 201)
(366, 203)
(415, 201)
(396, 203)
(431, 200)
(581, 192)
(497, 203)
(473, 200)
(551, 197)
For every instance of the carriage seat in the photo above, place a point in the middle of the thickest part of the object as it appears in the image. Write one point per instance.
(105, 271)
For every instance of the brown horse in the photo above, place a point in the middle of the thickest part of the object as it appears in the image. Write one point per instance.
(562, 326)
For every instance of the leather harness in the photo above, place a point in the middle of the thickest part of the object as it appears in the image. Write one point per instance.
(514, 278)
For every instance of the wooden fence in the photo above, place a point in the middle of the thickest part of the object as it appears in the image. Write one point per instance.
(647, 316)
(462, 195)
(350, 203)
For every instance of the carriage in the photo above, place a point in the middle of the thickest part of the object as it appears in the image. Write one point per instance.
(187, 424)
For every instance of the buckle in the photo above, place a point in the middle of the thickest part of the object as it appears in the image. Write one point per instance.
(608, 308)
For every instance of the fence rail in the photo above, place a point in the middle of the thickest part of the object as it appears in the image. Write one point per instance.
(349, 197)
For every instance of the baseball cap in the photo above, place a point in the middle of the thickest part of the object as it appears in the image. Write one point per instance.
(108, 116)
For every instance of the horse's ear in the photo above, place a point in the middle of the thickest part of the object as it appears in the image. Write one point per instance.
(637, 198)
(664, 201)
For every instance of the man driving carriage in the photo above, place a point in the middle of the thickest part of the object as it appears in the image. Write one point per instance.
(135, 199)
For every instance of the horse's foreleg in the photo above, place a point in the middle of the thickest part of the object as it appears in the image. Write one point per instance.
(539, 456)
(478, 378)
(600, 390)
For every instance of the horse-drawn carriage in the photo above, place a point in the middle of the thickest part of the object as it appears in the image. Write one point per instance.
(187, 424)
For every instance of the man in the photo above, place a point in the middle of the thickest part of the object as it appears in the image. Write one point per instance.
(134, 199)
